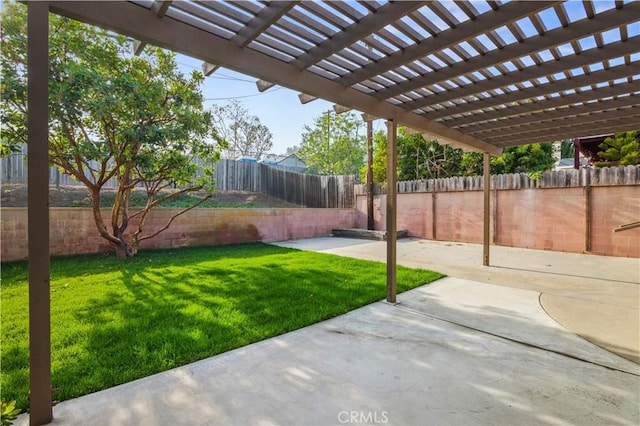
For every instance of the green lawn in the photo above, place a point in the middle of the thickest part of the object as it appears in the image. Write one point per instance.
(115, 321)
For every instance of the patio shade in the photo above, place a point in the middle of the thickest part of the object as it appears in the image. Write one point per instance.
(480, 74)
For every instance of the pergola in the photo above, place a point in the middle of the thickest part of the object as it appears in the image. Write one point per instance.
(481, 75)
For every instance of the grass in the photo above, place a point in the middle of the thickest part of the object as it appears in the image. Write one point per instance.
(116, 321)
(138, 199)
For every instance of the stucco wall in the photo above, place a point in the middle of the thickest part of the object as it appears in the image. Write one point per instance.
(540, 218)
(72, 230)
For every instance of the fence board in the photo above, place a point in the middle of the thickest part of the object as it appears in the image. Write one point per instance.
(295, 188)
(606, 176)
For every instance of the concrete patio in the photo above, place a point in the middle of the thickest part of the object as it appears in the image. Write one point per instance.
(474, 348)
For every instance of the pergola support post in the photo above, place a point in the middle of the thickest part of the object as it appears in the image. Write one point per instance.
(487, 205)
(392, 155)
(38, 213)
(370, 223)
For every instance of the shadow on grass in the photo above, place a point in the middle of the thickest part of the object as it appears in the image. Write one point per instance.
(167, 308)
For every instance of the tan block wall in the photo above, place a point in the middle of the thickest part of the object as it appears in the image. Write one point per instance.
(611, 207)
(72, 230)
(549, 219)
(545, 219)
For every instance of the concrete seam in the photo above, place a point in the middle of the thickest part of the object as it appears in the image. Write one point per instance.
(514, 340)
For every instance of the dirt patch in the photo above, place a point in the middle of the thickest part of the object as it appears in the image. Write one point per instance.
(15, 195)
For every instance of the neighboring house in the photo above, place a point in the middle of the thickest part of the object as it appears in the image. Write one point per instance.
(290, 163)
(247, 159)
(569, 163)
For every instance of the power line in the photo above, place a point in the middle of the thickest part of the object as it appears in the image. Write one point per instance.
(243, 96)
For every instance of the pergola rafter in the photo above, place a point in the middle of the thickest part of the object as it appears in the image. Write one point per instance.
(550, 104)
(559, 36)
(568, 123)
(357, 31)
(604, 126)
(128, 18)
(448, 38)
(527, 93)
(546, 69)
(540, 117)
(262, 21)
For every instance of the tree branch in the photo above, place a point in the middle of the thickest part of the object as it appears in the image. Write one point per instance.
(146, 237)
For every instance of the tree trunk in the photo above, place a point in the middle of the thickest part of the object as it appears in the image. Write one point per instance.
(121, 250)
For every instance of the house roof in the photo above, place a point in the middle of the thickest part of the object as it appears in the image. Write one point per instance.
(590, 146)
(482, 75)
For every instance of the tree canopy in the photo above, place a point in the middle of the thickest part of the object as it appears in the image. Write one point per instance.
(136, 120)
(243, 133)
(423, 159)
(622, 149)
(334, 145)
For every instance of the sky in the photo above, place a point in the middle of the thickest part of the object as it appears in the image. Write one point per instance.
(278, 108)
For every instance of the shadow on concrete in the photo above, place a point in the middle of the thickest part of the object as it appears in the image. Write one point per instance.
(398, 363)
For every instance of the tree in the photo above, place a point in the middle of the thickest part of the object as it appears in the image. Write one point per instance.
(134, 119)
(292, 150)
(421, 159)
(622, 149)
(533, 159)
(334, 145)
(567, 149)
(243, 132)
(379, 164)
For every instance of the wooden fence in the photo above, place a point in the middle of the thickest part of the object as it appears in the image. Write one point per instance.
(606, 176)
(295, 188)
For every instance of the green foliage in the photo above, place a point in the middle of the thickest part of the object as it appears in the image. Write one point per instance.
(113, 322)
(622, 149)
(334, 145)
(533, 158)
(567, 149)
(422, 159)
(379, 159)
(112, 115)
(417, 158)
(8, 412)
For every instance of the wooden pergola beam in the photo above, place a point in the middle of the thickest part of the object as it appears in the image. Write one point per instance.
(135, 21)
(545, 69)
(569, 124)
(550, 103)
(448, 38)
(596, 77)
(370, 23)
(159, 7)
(557, 37)
(572, 132)
(262, 21)
(546, 118)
